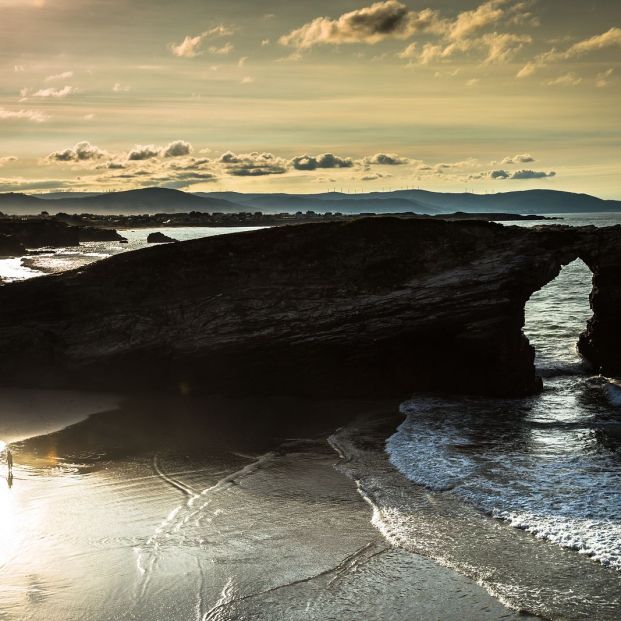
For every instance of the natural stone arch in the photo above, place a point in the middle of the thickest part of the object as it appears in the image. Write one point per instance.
(601, 341)
(374, 307)
(555, 317)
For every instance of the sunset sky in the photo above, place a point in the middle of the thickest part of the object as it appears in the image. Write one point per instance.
(285, 95)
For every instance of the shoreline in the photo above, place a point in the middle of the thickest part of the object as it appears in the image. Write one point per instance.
(320, 543)
(450, 531)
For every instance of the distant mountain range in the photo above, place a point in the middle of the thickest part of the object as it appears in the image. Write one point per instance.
(162, 200)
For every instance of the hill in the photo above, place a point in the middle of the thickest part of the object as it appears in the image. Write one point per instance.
(147, 200)
(163, 200)
(423, 201)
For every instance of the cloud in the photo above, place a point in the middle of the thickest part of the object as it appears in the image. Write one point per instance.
(325, 160)
(120, 88)
(81, 152)
(19, 184)
(247, 80)
(381, 20)
(386, 159)
(569, 79)
(523, 158)
(463, 35)
(252, 164)
(175, 170)
(532, 174)
(517, 175)
(527, 70)
(7, 159)
(468, 22)
(374, 176)
(191, 163)
(57, 93)
(603, 79)
(409, 52)
(190, 46)
(177, 148)
(66, 75)
(502, 47)
(23, 115)
(143, 152)
(610, 38)
(224, 50)
(185, 180)
(113, 166)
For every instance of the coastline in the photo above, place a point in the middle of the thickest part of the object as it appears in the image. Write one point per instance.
(198, 515)
(523, 572)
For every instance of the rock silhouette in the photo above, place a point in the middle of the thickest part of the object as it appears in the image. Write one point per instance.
(377, 306)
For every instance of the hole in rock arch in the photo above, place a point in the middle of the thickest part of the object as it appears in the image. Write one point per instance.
(556, 315)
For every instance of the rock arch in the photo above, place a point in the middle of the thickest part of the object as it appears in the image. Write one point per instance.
(374, 306)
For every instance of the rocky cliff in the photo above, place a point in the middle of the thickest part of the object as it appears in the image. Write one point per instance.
(380, 306)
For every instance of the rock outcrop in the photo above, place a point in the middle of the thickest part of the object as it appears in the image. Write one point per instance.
(10, 246)
(44, 232)
(380, 306)
(159, 238)
(37, 233)
(97, 234)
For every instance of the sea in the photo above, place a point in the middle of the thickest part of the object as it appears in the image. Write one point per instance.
(60, 259)
(550, 465)
(547, 466)
(519, 498)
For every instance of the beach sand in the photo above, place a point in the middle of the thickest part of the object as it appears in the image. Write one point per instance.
(175, 508)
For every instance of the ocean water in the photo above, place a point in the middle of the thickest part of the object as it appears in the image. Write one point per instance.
(53, 260)
(548, 465)
(115, 517)
(181, 509)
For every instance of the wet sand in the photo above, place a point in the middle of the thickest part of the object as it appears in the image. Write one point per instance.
(187, 509)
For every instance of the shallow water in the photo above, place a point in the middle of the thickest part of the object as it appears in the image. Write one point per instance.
(548, 465)
(164, 510)
(52, 260)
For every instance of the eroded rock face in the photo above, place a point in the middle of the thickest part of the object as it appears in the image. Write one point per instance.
(379, 306)
(601, 342)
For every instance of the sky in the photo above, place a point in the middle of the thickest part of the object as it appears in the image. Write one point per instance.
(308, 96)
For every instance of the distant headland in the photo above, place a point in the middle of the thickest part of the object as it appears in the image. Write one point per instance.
(420, 202)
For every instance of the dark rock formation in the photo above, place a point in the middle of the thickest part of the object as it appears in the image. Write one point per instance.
(36, 233)
(10, 246)
(381, 306)
(40, 232)
(159, 238)
(601, 342)
(96, 234)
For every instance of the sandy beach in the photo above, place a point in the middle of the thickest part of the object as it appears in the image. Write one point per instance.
(245, 519)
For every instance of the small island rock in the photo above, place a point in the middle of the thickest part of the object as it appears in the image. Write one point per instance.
(159, 238)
